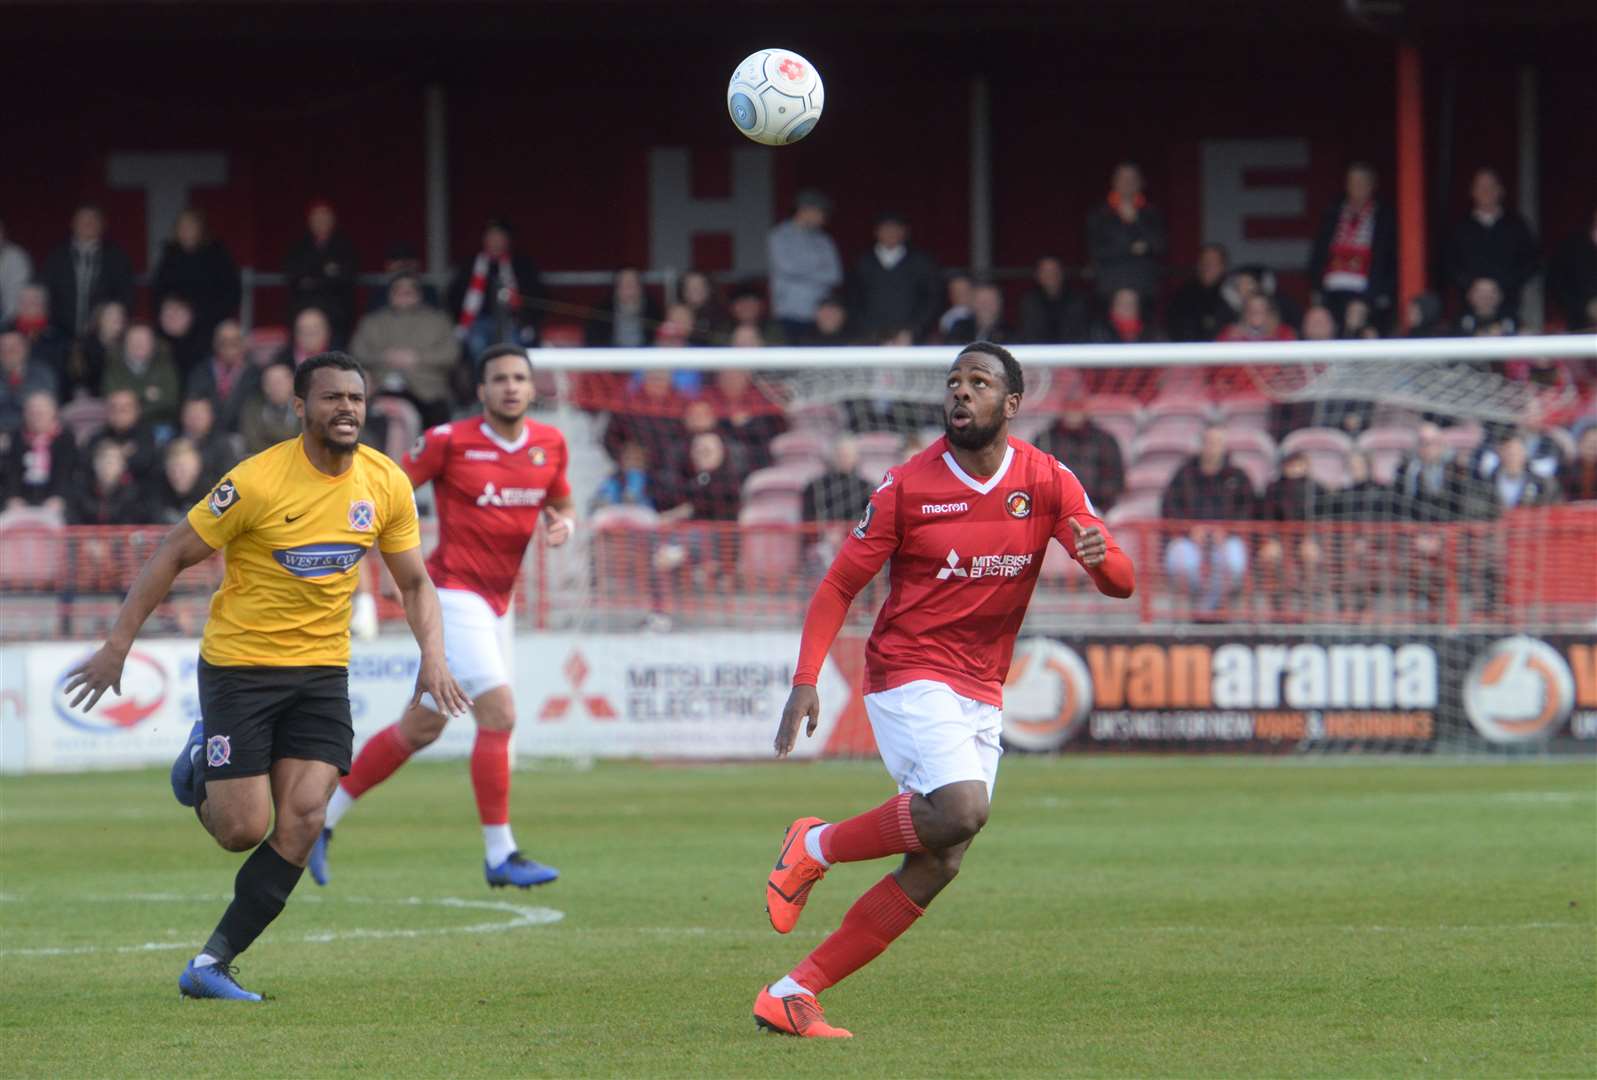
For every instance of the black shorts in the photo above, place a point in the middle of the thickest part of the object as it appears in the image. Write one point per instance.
(256, 715)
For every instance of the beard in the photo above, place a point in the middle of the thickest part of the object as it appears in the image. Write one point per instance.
(973, 436)
(337, 442)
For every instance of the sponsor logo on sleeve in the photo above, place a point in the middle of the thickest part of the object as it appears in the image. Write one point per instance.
(223, 498)
(864, 525)
(419, 447)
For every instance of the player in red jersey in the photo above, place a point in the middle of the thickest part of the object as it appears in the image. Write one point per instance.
(966, 523)
(493, 478)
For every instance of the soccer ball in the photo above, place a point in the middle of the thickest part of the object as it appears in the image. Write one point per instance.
(775, 97)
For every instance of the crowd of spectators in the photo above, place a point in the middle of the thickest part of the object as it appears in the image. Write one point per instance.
(108, 417)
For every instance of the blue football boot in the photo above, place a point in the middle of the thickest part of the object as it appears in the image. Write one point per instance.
(519, 872)
(187, 764)
(317, 863)
(212, 981)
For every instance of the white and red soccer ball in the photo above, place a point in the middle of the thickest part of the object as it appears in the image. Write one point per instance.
(775, 97)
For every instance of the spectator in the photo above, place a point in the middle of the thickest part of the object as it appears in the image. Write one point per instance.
(1542, 452)
(1425, 317)
(1349, 415)
(1356, 321)
(15, 271)
(708, 484)
(1319, 324)
(1492, 242)
(1126, 237)
(175, 321)
(1205, 493)
(401, 258)
(143, 366)
(986, 321)
(747, 337)
(833, 502)
(47, 345)
(218, 450)
(1198, 311)
(1513, 482)
(321, 270)
(196, 266)
(1578, 477)
(1088, 451)
(804, 267)
(958, 287)
(313, 335)
(649, 414)
(268, 417)
(126, 430)
(748, 419)
(227, 379)
(1485, 315)
(182, 483)
(20, 378)
(85, 370)
(628, 320)
(698, 294)
(831, 324)
(699, 418)
(1572, 276)
(1436, 487)
(1049, 314)
(748, 312)
(85, 271)
(675, 330)
(1355, 251)
(630, 484)
(1260, 321)
(43, 463)
(1291, 500)
(894, 287)
(499, 297)
(1124, 324)
(409, 349)
(109, 494)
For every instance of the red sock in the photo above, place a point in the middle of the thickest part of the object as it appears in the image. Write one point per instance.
(887, 830)
(490, 776)
(383, 753)
(870, 926)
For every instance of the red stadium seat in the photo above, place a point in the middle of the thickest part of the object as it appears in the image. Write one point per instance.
(1386, 447)
(1327, 450)
(799, 446)
(770, 545)
(1173, 446)
(786, 479)
(1141, 506)
(31, 539)
(1151, 475)
(1193, 405)
(1175, 427)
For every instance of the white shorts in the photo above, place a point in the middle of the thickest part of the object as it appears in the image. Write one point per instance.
(476, 643)
(929, 736)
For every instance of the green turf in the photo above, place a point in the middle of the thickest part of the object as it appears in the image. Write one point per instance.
(1167, 917)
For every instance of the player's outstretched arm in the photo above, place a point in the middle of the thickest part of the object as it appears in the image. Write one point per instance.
(180, 549)
(426, 620)
(1109, 567)
(804, 703)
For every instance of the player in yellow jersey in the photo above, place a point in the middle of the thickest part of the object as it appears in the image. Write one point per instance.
(275, 732)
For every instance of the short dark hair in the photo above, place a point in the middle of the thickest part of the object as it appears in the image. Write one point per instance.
(336, 360)
(494, 352)
(1013, 379)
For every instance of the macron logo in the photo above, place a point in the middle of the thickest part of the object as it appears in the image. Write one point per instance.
(953, 569)
(944, 508)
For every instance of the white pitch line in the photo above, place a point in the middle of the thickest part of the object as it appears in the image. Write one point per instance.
(522, 916)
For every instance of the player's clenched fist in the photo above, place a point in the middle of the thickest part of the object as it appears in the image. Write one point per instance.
(558, 527)
(802, 703)
(1090, 545)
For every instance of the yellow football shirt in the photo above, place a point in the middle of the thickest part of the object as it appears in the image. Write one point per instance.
(294, 538)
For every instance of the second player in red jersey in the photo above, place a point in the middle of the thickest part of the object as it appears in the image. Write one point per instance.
(965, 525)
(494, 478)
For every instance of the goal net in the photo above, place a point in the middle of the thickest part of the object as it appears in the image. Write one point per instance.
(1353, 545)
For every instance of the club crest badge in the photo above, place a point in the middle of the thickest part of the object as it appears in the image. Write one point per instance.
(222, 498)
(1018, 504)
(537, 455)
(361, 515)
(218, 751)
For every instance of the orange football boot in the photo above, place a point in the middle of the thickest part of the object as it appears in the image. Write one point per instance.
(791, 879)
(796, 1014)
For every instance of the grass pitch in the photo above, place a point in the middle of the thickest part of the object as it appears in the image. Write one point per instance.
(1164, 917)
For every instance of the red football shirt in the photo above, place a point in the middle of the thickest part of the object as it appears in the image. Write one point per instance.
(489, 494)
(965, 558)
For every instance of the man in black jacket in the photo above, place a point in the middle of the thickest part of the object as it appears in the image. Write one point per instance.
(85, 271)
(1198, 311)
(1049, 314)
(1208, 561)
(1126, 238)
(1355, 251)
(1493, 242)
(894, 287)
(1291, 500)
(1088, 451)
(321, 270)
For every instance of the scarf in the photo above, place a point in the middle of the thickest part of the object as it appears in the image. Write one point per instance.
(1139, 200)
(30, 325)
(472, 304)
(1127, 329)
(36, 458)
(1352, 249)
(224, 376)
